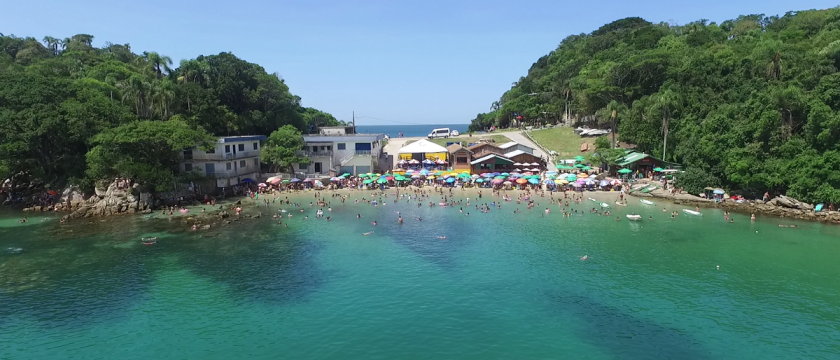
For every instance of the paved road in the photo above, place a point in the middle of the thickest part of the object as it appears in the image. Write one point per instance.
(394, 145)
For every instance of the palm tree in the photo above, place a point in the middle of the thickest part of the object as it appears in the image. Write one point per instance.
(84, 39)
(51, 43)
(666, 101)
(136, 90)
(613, 108)
(787, 100)
(159, 63)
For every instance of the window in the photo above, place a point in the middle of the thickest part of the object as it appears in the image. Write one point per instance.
(341, 146)
(227, 166)
(256, 145)
(329, 148)
(461, 160)
(242, 164)
(256, 162)
(188, 167)
(303, 166)
(227, 150)
(241, 147)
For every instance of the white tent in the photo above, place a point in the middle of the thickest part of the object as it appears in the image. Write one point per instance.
(422, 146)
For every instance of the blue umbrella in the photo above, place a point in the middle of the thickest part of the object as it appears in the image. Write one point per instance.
(533, 181)
(479, 180)
(496, 174)
(295, 180)
(247, 180)
(549, 182)
(450, 180)
(604, 183)
(719, 192)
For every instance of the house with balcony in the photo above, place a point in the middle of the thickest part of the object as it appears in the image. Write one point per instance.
(232, 161)
(333, 152)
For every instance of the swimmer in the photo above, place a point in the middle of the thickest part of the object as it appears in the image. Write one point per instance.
(442, 237)
(617, 218)
(373, 223)
(367, 233)
(584, 258)
(752, 217)
(399, 220)
(358, 216)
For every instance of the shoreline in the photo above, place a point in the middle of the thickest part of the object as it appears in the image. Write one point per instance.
(747, 207)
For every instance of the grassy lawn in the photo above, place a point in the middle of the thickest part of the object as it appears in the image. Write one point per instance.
(465, 140)
(562, 140)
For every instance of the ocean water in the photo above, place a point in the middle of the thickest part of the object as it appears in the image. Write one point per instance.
(408, 130)
(502, 285)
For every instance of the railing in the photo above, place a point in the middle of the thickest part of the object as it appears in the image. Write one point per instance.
(232, 173)
(362, 152)
(230, 156)
(323, 153)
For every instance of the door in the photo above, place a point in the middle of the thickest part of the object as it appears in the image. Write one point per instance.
(209, 169)
(317, 168)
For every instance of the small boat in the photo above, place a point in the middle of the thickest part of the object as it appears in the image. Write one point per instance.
(619, 203)
(647, 202)
(593, 200)
(634, 217)
(605, 205)
(639, 186)
(649, 189)
(692, 212)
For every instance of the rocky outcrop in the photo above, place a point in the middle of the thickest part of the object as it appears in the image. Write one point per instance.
(114, 200)
(790, 203)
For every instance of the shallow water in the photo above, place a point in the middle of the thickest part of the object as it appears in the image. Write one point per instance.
(501, 285)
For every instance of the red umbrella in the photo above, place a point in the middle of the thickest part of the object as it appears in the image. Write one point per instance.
(52, 192)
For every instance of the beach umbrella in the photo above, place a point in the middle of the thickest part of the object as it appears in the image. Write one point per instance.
(381, 181)
(430, 177)
(658, 169)
(548, 182)
(450, 180)
(498, 181)
(307, 180)
(604, 183)
(571, 177)
(505, 174)
(521, 181)
(415, 176)
(577, 184)
(368, 181)
(517, 164)
(561, 182)
(625, 171)
(285, 181)
(479, 180)
(549, 173)
(399, 178)
(260, 185)
(587, 168)
(579, 158)
(362, 176)
(389, 178)
(534, 181)
(247, 180)
(271, 178)
(496, 174)
(424, 172)
(409, 171)
(593, 175)
(295, 180)
(719, 192)
(475, 176)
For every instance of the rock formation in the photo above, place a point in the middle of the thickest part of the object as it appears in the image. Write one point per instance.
(115, 200)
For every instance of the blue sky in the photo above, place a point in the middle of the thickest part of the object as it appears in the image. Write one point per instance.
(404, 62)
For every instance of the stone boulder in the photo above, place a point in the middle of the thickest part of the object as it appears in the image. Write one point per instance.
(113, 201)
(791, 203)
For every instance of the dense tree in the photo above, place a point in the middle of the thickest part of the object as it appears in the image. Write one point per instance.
(63, 98)
(751, 104)
(281, 148)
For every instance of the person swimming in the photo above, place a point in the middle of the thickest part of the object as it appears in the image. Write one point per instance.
(373, 223)
(442, 237)
(584, 258)
(367, 233)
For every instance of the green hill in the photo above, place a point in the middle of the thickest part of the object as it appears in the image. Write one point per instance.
(61, 98)
(750, 104)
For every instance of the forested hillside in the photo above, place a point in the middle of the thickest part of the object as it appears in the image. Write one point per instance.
(71, 111)
(750, 104)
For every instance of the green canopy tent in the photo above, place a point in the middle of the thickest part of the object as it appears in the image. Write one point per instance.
(368, 181)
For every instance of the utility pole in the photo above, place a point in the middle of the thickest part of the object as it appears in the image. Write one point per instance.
(354, 121)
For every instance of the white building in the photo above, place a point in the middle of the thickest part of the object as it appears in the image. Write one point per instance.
(231, 162)
(513, 146)
(338, 150)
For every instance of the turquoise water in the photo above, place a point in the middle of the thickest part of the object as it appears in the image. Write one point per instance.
(500, 286)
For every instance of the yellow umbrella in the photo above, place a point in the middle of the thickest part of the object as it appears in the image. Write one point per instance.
(453, 174)
(563, 181)
(466, 171)
(430, 177)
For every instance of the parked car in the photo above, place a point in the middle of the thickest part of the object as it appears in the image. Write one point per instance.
(455, 133)
(439, 133)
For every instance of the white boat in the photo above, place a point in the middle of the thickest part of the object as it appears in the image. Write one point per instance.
(692, 212)
(647, 202)
(605, 205)
(591, 199)
(634, 217)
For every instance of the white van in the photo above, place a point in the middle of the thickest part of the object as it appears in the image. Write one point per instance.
(439, 133)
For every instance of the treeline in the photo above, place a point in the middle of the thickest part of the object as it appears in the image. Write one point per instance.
(73, 112)
(750, 104)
